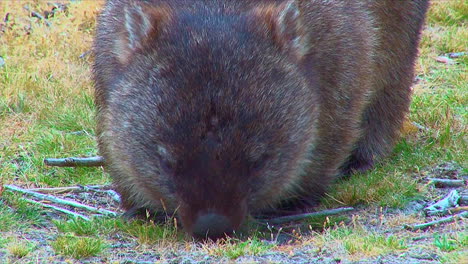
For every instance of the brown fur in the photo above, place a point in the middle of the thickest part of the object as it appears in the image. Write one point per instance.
(233, 107)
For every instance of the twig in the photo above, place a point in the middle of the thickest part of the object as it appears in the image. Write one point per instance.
(75, 162)
(420, 127)
(113, 194)
(298, 217)
(458, 209)
(442, 206)
(88, 188)
(56, 208)
(456, 54)
(436, 222)
(444, 183)
(85, 54)
(463, 200)
(36, 14)
(69, 189)
(59, 200)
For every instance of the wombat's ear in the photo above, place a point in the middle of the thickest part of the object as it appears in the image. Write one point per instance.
(284, 22)
(142, 23)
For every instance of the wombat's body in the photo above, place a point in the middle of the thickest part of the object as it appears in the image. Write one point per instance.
(219, 108)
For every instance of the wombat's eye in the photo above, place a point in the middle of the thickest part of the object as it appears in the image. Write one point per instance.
(166, 166)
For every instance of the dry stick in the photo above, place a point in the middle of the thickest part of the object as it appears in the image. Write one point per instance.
(56, 208)
(75, 162)
(441, 207)
(463, 200)
(298, 217)
(60, 201)
(93, 188)
(442, 183)
(67, 189)
(113, 194)
(458, 209)
(36, 14)
(436, 222)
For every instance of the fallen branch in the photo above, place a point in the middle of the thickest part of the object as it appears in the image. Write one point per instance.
(59, 200)
(76, 189)
(298, 217)
(442, 206)
(59, 209)
(37, 15)
(113, 194)
(75, 162)
(458, 209)
(444, 183)
(420, 127)
(68, 189)
(448, 219)
(456, 54)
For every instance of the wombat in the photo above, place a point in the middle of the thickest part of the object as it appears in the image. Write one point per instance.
(218, 109)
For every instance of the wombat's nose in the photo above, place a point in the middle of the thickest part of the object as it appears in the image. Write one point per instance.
(212, 226)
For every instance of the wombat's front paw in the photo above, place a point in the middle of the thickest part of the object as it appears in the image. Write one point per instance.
(144, 214)
(290, 207)
(356, 165)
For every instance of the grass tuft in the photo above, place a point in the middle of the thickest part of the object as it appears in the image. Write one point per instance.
(78, 247)
(233, 248)
(20, 249)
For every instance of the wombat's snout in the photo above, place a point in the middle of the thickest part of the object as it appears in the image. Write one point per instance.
(212, 225)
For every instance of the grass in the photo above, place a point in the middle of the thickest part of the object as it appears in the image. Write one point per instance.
(144, 232)
(78, 247)
(47, 110)
(46, 94)
(22, 216)
(357, 241)
(233, 249)
(20, 249)
(449, 243)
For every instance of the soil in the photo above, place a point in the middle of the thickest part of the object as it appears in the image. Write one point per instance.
(288, 248)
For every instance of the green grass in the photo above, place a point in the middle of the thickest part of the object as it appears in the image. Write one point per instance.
(20, 249)
(15, 213)
(78, 247)
(47, 95)
(144, 232)
(448, 243)
(357, 241)
(234, 249)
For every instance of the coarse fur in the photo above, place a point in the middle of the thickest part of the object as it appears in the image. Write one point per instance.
(236, 107)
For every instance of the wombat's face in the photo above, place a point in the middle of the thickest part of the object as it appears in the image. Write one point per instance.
(219, 111)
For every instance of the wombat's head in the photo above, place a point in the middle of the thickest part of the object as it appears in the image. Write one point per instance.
(217, 107)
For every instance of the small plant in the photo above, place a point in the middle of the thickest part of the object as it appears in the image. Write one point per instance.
(445, 243)
(322, 222)
(454, 257)
(20, 214)
(150, 232)
(233, 248)
(4, 241)
(7, 218)
(20, 249)
(78, 247)
(77, 226)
